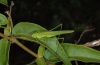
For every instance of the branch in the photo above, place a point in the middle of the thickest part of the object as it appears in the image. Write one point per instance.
(93, 43)
(19, 44)
(83, 34)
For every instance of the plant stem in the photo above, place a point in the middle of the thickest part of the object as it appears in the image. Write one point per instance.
(19, 44)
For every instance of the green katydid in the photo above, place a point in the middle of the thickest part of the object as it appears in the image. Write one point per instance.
(51, 33)
(56, 48)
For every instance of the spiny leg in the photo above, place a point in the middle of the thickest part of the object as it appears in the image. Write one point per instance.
(60, 25)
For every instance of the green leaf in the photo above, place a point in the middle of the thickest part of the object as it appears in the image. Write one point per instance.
(4, 2)
(51, 57)
(3, 20)
(76, 52)
(82, 53)
(26, 28)
(41, 51)
(53, 45)
(4, 51)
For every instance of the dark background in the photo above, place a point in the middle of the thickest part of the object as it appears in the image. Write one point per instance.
(76, 15)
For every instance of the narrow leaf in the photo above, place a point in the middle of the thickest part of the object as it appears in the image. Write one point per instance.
(82, 53)
(4, 51)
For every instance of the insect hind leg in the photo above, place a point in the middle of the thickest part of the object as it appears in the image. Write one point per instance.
(60, 25)
(61, 40)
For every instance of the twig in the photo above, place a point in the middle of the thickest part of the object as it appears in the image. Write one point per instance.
(93, 43)
(12, 4)
(19, 44)
(9, 14)
(83, 34)
(80, 39)
(76, 63)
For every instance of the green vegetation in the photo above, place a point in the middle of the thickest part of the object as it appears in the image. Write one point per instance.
(50, 51)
